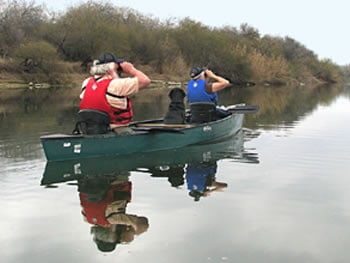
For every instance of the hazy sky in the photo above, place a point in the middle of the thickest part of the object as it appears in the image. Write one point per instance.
(320, 25)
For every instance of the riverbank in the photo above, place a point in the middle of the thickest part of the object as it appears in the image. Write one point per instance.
(74, 78)
(10, 80)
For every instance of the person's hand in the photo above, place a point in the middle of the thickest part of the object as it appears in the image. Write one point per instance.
(143, 79)
(220, 82)
(209, 73)
(127, 67)
(142, 225)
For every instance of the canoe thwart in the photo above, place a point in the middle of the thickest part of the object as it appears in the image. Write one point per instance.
(157, 129)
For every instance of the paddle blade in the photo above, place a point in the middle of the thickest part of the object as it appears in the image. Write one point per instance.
(242, 108)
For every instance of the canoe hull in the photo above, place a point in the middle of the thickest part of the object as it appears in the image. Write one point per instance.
(66, 147)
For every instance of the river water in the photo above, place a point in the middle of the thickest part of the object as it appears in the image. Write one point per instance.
(276, 192)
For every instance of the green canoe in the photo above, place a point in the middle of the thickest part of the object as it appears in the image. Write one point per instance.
(146, 136)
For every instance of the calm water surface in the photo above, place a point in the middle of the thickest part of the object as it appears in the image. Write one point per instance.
(282, 185)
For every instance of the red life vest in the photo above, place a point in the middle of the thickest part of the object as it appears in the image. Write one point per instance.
(95, 99)
(95, 211)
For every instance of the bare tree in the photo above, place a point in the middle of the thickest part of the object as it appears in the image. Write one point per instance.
(19, 20)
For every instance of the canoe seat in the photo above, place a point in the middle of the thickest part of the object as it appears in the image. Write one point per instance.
(92, 122)
(202, 112)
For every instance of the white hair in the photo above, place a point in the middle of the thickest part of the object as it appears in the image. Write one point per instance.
(101, 69)
(104, 234)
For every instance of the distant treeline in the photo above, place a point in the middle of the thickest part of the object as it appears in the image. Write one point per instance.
(46, 47)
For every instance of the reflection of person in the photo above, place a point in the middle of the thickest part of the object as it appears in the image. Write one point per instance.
(201, 179)
(104, 202)
(106, 91)
(175, 174)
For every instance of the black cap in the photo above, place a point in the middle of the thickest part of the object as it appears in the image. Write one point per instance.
(195, 71)
(195, 194)
(108, 57)
(105, 246)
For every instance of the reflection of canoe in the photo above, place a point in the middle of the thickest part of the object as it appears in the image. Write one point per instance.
(148, 136)
(60, 171)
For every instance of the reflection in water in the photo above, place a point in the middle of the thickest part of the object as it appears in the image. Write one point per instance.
(201, 180)
(297, 198)
(105, 189)
(104, 200)
(200, 177)
(198, 166)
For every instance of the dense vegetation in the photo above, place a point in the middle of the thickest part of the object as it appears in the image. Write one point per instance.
(47, 47)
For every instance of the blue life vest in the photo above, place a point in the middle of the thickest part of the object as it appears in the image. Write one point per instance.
(197, 176)
(196, 92)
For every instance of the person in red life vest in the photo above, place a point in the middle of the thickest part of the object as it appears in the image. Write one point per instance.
(104, 201)
(107, 91)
